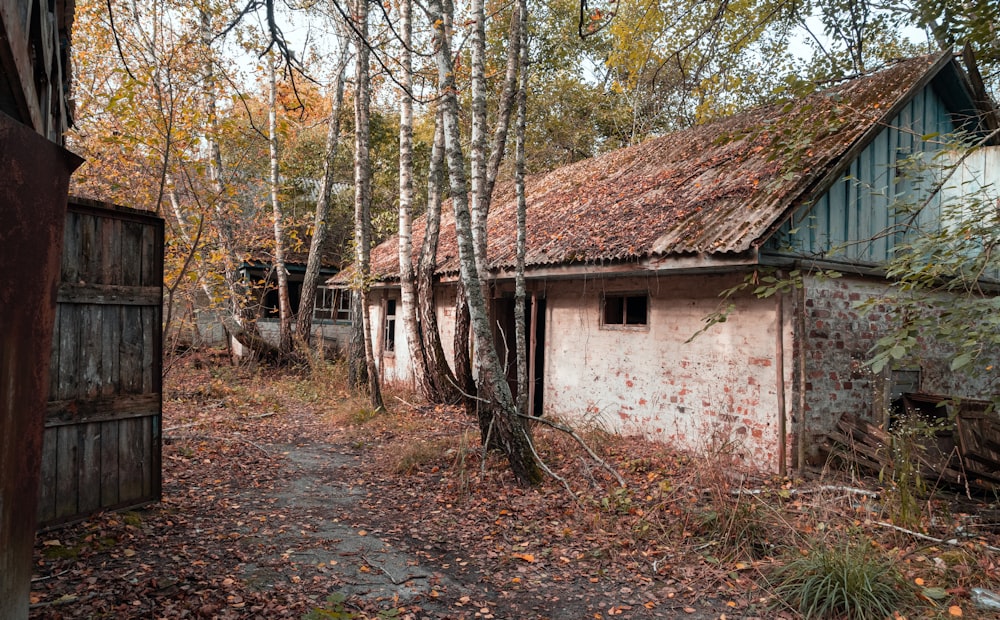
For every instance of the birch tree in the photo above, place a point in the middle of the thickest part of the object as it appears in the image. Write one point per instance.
(520, 291)
(284, 303)
(407, 283)
(310, 281)
(362, 195)
(441, 378)
(494, 394)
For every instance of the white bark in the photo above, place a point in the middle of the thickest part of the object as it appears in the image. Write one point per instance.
(284, 305)
(512, 435)
(362, 193)
(407, 282)
(520, 291)
(307, 302)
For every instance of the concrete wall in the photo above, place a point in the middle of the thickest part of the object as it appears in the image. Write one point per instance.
(718, 392)
(336, 336)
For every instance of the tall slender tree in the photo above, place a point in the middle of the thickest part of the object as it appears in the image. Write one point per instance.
(407, 279)
(442, 379)
(362, 194)
(310, 281)
(284, 302)
(494, 394)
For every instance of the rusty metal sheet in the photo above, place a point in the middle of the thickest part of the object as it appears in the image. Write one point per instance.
(34, 179)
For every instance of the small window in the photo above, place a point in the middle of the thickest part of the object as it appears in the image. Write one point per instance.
(325, 299)
(626, 310)
(343, 305)
(389, 335)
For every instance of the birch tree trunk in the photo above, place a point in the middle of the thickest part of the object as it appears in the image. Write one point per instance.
(494, 392)
(440, 376)
(477, 167)
(407, 283)
(284, 304)
(520, 292)
(310, 281)
(362, 195)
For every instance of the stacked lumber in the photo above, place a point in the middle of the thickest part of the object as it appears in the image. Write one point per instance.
(861, 443)
(967, 456)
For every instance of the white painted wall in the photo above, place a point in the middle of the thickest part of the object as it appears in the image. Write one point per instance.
(717, 392)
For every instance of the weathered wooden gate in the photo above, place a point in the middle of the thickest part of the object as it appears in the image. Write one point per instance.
(101, 447)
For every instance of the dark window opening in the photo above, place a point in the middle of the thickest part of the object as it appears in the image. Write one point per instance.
(343, 305)
(389, 339)
(626, 310)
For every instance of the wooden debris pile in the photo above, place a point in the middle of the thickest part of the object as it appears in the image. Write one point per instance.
(967, 454)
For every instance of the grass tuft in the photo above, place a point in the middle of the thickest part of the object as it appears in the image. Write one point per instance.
(855, 581)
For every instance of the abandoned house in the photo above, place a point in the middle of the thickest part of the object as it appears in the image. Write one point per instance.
(331, 323)
(198, 321)
(628, 252)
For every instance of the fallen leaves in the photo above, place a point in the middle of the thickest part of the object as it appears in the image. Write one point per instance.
(521, 550)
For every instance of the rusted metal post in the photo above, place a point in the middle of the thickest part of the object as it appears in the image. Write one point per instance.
(34, 180)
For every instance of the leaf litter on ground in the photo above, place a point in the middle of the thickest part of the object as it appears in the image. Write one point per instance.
(688, 536)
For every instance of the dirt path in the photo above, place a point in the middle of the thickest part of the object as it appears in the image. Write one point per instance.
(268, 510)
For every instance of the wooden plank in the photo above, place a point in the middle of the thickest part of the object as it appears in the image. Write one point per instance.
(99, 409)
(880, 198)
(90, 350)
(111, 251)
(67, 466)
(17, 52)
(69, 352)
(109, 463)
(90, 250)
(70, 271)
(150, 325)
(148, 275)
(90, 468)
(130, 460)
(54, 355)
(111, 353)
(47, 490)
(131, 248)
(879, 455)
(109, 294)
(867, 174)
(130, 365)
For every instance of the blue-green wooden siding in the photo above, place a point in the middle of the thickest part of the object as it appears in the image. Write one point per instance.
(853, 220)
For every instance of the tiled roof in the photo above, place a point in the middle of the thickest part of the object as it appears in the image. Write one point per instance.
(714, 189)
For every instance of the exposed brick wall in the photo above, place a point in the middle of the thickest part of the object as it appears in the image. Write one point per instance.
(839, 338)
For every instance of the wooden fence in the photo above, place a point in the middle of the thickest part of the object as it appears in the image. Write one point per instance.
(101, 448)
